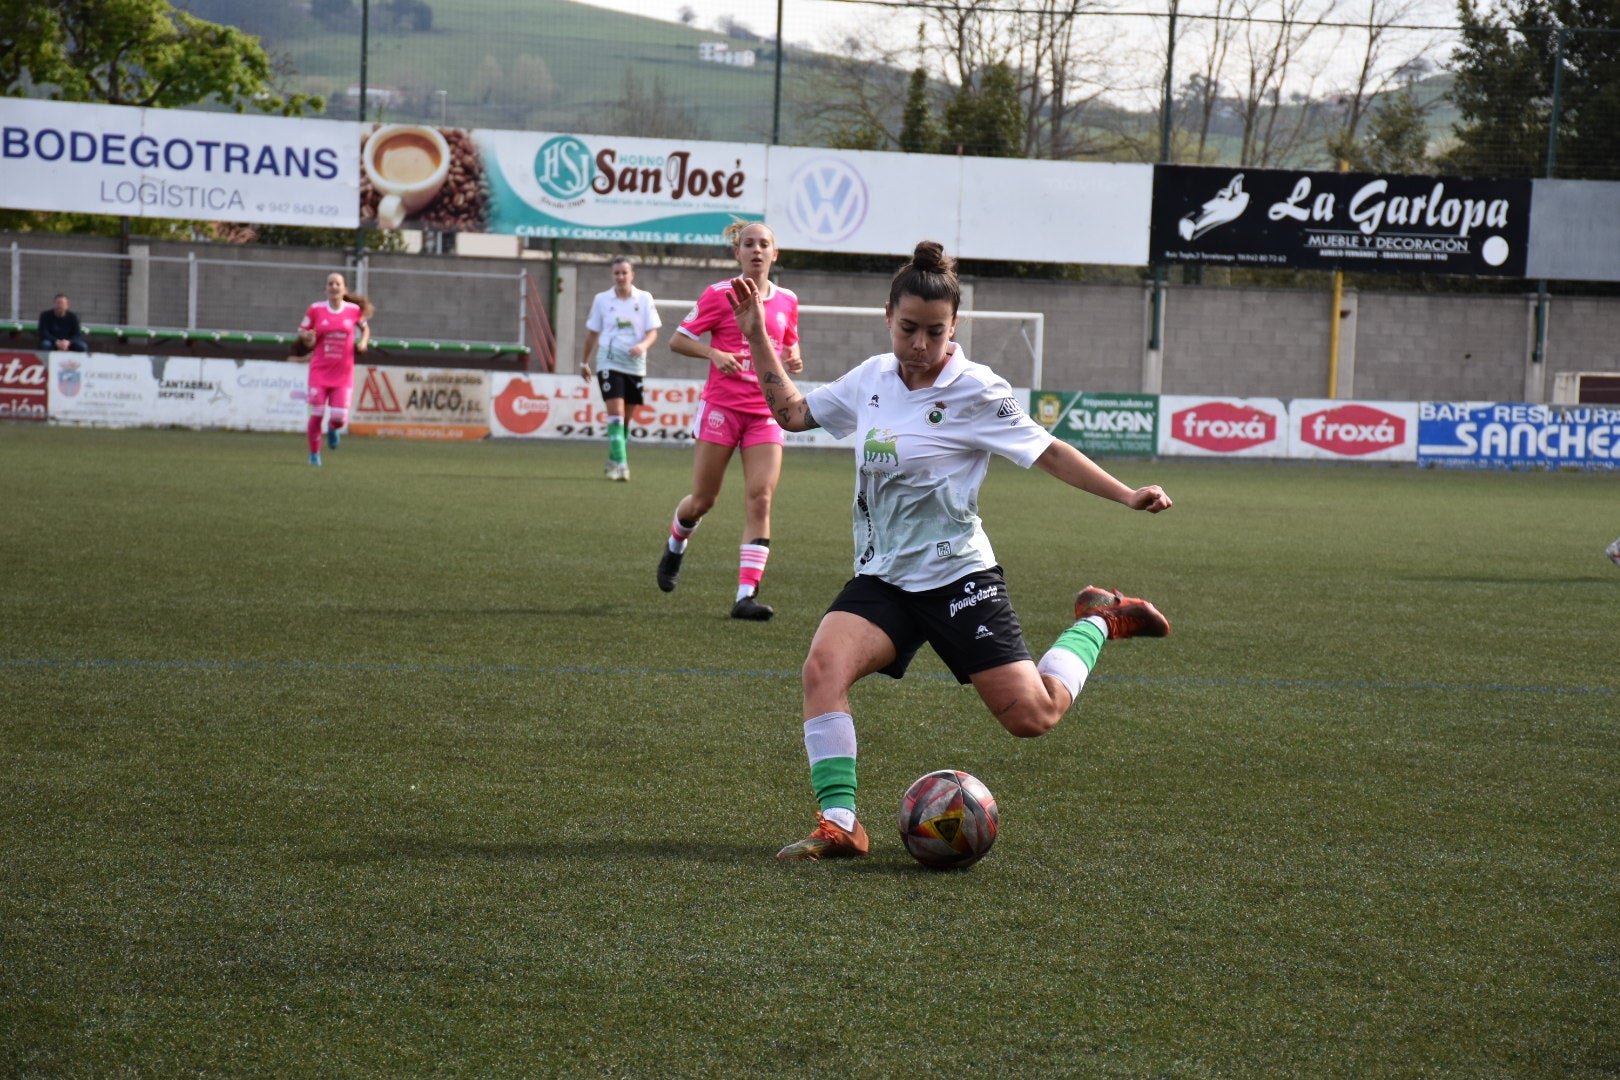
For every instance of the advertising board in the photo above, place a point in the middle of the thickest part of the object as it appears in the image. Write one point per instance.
(1223, 426)
(172, 163)
(1100, 424)
(1352, 221)
(1330, 430)
(24, 385)
(420, 403)
(1514, 435)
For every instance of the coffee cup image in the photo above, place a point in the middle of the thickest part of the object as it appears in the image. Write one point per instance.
(407, 165)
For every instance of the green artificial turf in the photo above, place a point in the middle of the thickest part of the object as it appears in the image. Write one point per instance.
(403, 766)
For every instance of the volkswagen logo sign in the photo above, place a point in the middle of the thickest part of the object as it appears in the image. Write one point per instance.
(827, 200)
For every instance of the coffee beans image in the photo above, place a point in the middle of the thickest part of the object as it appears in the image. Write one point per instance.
(462, 204)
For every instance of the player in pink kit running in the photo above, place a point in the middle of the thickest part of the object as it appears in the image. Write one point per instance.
(733, 415)
(330, 330)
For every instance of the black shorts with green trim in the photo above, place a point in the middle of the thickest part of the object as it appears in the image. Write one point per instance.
(970, 623)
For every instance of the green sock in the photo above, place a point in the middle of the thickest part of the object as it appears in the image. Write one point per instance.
(834, 782)
(1084, 639)
(616, 440)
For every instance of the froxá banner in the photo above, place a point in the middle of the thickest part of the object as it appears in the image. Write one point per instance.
(168, 163)
(603, 187)
(1349, 221)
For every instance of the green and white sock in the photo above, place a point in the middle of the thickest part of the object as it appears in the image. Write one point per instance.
(1074, 654)
(616, 440)
(829, 741)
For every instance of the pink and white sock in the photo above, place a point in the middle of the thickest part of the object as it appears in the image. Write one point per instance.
(751, 559)
(680, 532)
(314, 431)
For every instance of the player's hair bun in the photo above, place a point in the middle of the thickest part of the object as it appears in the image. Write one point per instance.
(929, 257)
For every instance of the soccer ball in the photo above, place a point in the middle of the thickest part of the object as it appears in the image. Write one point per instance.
(948, 819)
(1613, 552)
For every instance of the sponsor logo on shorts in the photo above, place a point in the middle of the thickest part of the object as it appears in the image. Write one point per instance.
(982, 632)
(974, 595)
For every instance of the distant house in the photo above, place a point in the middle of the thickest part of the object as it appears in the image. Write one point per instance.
(375, 95)
(718, 52)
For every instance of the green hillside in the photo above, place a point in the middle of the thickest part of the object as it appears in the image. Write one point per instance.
(536, 65)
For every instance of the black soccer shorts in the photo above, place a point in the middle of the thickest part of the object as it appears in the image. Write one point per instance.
(970, 623)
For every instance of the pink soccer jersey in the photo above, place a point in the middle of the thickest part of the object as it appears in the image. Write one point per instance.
(332, 362)
(712, 316)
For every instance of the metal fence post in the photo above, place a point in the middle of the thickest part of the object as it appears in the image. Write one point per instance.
(16, 282)
(191, 290)
(523, 302)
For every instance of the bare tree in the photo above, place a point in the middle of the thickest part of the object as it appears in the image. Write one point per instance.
(1279, 67)
(1388, 60)
(1063, 64)
(1205, 46)
(854, 97)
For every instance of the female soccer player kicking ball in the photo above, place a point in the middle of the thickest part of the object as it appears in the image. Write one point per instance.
(924, 568)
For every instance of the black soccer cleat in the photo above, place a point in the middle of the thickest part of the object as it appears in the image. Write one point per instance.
(669, 569)
(749, 608)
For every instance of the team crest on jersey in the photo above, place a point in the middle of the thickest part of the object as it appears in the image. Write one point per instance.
(873, 403)
(1008, 408)
(942, 550)
(690, 315)
(936, 415)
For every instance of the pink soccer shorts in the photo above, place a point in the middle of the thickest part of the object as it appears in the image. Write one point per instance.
(727, 427)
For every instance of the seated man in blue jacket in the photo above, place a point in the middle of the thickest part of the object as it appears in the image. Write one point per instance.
(59, 328)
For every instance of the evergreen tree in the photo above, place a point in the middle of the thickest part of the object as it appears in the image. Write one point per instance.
(1505, 70)
(919, 131)
(1397, 139)
(987, 121)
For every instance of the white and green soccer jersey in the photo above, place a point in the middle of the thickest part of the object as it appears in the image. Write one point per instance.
(919, 461)
(622, 323)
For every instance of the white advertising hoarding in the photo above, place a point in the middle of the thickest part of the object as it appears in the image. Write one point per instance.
(535, 406)
(169, 163)
(979, 208)
(1222, 426)
(161, 391)
(1352, 430)
(862, 201)
(1055, 211)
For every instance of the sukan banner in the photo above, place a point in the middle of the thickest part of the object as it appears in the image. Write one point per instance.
(1283, 218)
